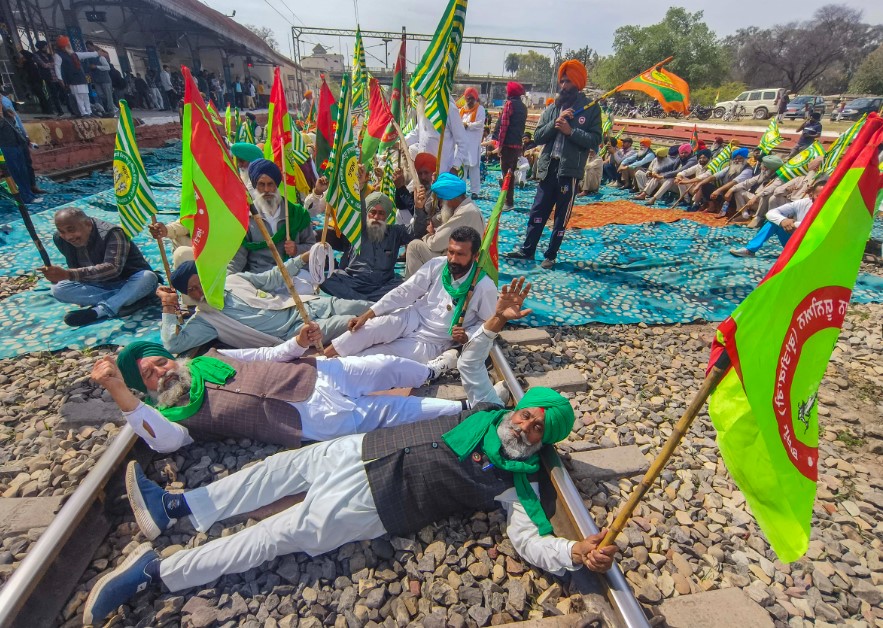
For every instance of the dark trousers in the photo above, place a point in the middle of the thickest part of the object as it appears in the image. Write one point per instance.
(552, 193)
(508, 163)
(172, 95)
(57, 96)
(611, 171)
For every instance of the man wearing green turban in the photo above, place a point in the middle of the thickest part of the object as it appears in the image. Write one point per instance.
(394, 480)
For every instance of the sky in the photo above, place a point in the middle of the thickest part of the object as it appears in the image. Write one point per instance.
(574, 23)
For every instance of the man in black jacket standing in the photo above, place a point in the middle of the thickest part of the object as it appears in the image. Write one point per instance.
(567, 129)
(106, 272)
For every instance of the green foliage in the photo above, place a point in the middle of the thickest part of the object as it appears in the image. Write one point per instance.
(868, 79)
(511, 63)
(699, 58)
(708, 96)
(534, 68)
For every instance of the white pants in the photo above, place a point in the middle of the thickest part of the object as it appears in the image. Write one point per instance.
(338, 509)
(666, 185)
(81, 95)
(342, 402)
(474, 175)
(397, 334)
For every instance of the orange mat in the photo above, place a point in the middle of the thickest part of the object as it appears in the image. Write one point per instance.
(629, 213)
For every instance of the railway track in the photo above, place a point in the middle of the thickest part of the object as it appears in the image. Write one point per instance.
(38, 593)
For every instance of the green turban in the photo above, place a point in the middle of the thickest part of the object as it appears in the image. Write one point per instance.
(480, 430)
(246, 151)
(127, 361)
(772, 162)
(378, 198)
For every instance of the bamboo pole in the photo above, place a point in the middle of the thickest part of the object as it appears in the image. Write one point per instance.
(285, 276)
(25, 216)
(168, 270)
(681, 428)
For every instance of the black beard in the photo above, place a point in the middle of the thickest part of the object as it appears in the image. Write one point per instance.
(457, 270)
(566, 98)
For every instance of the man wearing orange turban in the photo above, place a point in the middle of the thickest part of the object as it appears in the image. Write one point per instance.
(69, 69)
(306, 104)
(567, 129)
(473, 116)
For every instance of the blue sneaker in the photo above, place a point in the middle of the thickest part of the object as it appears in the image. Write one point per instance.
(146, 499)
(120, 585)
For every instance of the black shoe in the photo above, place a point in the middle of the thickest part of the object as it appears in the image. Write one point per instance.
(517, 254)
(78, 318)
(140, 304)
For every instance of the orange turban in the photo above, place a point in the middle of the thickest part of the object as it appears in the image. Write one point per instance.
(645, 141)
(575, 71)
(63, 42)
(549, 101)
(308, 94)
(425, 161)
(470, 91)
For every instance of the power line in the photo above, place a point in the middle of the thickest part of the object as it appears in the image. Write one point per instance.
(285, 4)
(279, 12)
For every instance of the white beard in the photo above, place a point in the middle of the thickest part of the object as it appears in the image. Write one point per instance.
(446, 212)
(173, 386)
(268, 207)
(515, 447)
(376, 230)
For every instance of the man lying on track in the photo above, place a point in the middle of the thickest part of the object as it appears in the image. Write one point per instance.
(394, 480)
(268, 394)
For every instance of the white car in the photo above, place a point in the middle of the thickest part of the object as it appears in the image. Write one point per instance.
(758, 103)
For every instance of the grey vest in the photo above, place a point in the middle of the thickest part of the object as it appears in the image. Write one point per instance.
(416, 478)
(255, 403)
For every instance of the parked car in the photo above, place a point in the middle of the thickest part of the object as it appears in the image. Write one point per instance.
(797, 107)
(758, 103)
(857, 107)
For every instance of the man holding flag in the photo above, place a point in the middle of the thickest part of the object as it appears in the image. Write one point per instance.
(567, 129)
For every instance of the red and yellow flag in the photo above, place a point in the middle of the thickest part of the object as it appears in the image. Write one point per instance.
(669, 89)
(779, 341)
(214, 203)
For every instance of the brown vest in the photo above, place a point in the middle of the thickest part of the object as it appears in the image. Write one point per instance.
(256, 402)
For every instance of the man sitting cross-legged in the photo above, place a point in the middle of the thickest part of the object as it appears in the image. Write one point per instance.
(258, 310)
(266, 394)
(394, 480)
(420, 318)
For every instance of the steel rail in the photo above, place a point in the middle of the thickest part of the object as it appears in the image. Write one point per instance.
(25, 579)
(618, 591)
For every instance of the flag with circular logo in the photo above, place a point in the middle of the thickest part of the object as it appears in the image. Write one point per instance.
(134, 196)
(343, 172)
(779, 341)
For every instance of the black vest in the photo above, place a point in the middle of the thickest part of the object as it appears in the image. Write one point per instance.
(96, 247)
(517, 122)
(71, 70)
(416, 478)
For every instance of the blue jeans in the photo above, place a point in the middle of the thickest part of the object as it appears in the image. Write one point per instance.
(765, 233)
(107, 297)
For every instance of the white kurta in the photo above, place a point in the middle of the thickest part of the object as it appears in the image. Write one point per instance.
(413, 319)
(424, 139)
(337, 490)
(341, 402)
(472, 140)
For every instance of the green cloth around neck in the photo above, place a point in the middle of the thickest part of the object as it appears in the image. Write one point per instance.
(480, 430)
(202, 369)
(297, 216)
(458, 293)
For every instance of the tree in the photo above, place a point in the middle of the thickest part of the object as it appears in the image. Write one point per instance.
(511, 62)
(699, 57)
(534, 68)
(824, 51)
(264, 33)
(868, 79)
(588, 57)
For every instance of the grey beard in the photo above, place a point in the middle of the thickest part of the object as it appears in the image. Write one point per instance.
(265, 207)
(376, 231)
(446, 213)
(735, 169)
(172, 387)
(515, 447)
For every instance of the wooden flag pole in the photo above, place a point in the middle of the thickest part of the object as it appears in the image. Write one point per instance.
(168, 269)
(25, 216)
(681, 428)
(285, 276)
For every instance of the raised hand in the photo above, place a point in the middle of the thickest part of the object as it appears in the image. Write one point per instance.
(511, 299)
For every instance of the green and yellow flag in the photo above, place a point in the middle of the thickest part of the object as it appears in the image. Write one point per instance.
(343, 172)
(779, 341)
(433, 77)
(669, 89)
(229, 128)
(360, 76)
(721, 160)
(214, 203)
(134, 196)
(771, 138)
(387, 183)
(799, 164)
(246, 131)
(606, 123)
(838, 148)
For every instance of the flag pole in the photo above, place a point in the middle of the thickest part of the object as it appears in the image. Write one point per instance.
(168, 270)
(25, 216)
(616, 89)
(711, 381)
(285, 276)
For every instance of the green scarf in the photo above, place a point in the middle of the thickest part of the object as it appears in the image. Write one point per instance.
(458, 293)
(202, 369)
(480, 430)
(298, 218)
